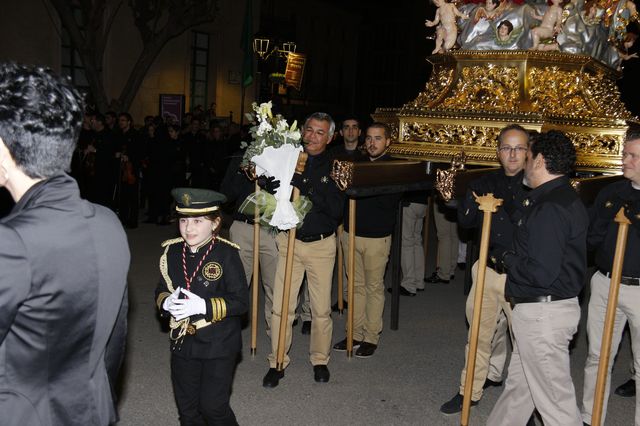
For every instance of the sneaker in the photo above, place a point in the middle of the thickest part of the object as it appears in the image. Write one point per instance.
(341, 346)
(491, 383)
(435, 279)
(454, 405)
(366, 350)
(627, 389)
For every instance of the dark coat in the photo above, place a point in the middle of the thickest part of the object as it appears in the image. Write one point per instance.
(64, 264)
(220, 280)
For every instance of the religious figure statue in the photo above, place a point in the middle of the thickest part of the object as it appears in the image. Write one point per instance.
(447, 29)
(550, 26)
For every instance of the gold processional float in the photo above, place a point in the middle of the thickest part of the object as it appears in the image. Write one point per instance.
(567, 83)
(495, 75)
(545, 67)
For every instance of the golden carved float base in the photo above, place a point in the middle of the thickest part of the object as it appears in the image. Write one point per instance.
(471, 95)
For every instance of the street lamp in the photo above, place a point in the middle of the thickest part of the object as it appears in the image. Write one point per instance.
(264, 48)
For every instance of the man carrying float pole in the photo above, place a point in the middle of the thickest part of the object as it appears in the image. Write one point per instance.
(602, 237)
(546, 267)
(374, 221)
(506, 184)
(314, 253)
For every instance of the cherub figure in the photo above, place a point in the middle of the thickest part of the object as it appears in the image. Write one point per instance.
(447, 29)
(492, 9)
(551, 25)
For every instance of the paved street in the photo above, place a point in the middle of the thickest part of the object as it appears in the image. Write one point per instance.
(413, 372)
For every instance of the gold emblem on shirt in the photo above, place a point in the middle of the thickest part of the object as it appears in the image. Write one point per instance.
(608, 204)
(212, 271)
(526, 202)
(324, 179)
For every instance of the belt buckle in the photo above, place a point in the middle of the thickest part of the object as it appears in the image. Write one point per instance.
(191, 330)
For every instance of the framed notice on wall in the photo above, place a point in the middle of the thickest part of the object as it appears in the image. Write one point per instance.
(172, 108)
(295, 69)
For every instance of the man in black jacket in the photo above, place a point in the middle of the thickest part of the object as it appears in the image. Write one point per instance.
(375, 218)
(546, 267)
(314, 252)
(603, 232)
(506, 184)
(63, 264)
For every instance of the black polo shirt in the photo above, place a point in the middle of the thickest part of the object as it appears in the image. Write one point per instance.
(603, 230)
(549, 255)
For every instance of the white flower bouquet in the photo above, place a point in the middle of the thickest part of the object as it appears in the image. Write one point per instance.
(274, 153)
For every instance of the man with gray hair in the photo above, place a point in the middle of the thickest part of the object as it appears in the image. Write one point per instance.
(62, 324)
(314, 252)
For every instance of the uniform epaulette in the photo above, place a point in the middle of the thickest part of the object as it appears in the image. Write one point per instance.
(172, 241)
(234, 245)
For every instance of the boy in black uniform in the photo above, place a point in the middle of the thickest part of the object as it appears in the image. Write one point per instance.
(203, 288)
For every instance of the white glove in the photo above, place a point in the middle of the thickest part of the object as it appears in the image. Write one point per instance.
(168, 301)
(183, 308)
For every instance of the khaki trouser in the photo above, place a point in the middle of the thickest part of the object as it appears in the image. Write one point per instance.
(628, 310)
(493, 302)
(317, 260)
(412, 257)
(447, 233)
(371, 256)
(241, 233)
(539, 372)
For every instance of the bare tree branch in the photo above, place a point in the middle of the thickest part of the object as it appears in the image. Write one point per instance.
(157, 21)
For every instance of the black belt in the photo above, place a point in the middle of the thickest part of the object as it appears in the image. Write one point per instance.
(624, 280)
(536, 299)
(245, 220)
(312, 238)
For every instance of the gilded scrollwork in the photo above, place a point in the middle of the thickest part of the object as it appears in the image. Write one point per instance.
(575, 94)
(451, 134)
(596, 144)
(441, 79)
(446, 179)
(557, 92)
(342, 174)
(485, 88)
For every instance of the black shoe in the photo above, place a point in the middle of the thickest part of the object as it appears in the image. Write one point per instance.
(403, 291)
(295, 322)
(306, 327)
(454, 405)
(627, 389)
(435, 279)
(490, 384)
(341, 346)
(334, 307)
(366, 350)
(321, 373)
(272, 378)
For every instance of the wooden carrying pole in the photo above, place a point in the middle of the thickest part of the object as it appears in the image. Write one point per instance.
(351, 275)
(610, 316)
(488, 204)
(425, 227)
(340, 271)
(254, 280)
(286, 293)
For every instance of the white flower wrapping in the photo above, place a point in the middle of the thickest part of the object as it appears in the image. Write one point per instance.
(280, 163)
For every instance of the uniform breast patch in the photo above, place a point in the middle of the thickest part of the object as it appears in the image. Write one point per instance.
(212, 271)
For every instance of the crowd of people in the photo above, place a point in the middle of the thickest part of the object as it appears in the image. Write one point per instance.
(65, 373)
(125, 167)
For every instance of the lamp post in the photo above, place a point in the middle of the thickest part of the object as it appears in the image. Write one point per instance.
(267, 48)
